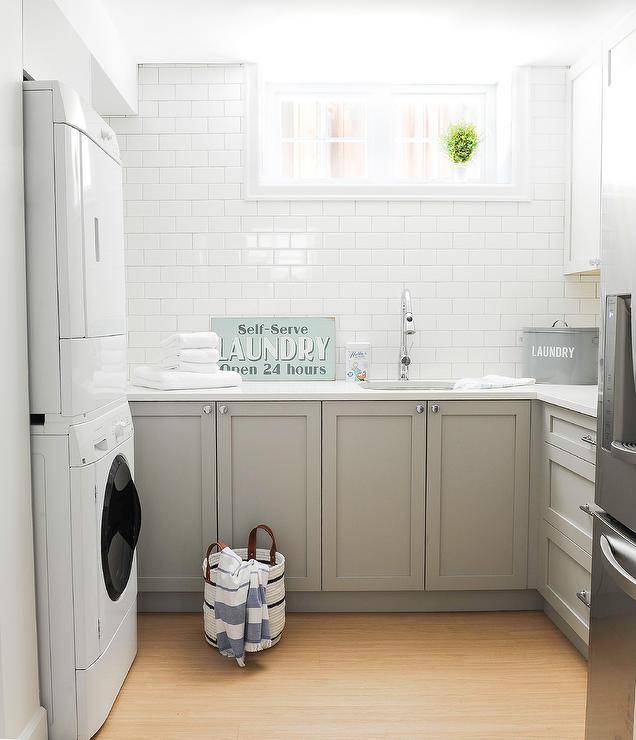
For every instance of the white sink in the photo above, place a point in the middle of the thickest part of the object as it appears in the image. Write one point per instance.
(408, 385)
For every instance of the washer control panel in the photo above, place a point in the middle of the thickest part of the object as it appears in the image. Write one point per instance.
(90, 441)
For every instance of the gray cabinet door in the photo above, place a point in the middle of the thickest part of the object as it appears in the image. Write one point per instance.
(268, 459)
(373, 472)
(176, 479)
(477, 495)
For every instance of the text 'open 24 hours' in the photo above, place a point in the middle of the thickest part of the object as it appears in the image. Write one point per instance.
(277, 348)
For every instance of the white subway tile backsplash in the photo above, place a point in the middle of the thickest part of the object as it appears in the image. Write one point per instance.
(355, 223)
(453, 224)
(339, 208)
(209, 74)
(157, 92)
(478, 270)
(419, 224)
(484, 223)
(323, 223)
(372, 208)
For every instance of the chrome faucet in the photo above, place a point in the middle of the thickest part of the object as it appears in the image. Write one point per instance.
(407, 329)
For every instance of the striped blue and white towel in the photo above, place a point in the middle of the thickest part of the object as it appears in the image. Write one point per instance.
(240, 606)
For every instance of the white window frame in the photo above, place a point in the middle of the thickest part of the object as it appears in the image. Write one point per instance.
(516, 142)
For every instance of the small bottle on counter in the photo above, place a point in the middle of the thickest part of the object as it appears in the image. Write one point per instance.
(357, 361)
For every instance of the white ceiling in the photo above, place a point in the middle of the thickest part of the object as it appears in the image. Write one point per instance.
(367, 40)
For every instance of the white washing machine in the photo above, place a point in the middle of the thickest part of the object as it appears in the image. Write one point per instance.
(87, 519)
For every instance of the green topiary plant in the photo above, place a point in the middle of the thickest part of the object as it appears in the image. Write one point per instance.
(460, 141)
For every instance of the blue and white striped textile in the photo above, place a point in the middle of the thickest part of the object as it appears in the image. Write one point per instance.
(240, 606)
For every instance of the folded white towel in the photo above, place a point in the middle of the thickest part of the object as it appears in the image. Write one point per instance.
(490, 381)
(204, 356)
(151, 376)
(192, 340)
(190, 367)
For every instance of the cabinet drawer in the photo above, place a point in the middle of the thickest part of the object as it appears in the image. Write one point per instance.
(568, 484)
(565, 569)
(572, 432)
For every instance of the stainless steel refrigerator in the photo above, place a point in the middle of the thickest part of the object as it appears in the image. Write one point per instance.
(611, 699)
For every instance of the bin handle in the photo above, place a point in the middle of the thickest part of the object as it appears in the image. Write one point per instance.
(251, 544)
(221, 545)
(565, 323)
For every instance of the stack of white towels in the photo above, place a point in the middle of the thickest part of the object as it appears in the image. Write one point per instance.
(188, 361)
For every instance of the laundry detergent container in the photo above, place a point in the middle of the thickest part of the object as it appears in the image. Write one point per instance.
(561, 354)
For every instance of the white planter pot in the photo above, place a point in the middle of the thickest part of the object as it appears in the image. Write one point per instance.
(460, 171)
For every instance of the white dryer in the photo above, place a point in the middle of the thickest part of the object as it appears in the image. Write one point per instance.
(75, 254)
(87, 519)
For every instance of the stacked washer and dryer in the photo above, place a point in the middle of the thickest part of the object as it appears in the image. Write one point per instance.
(86, 510)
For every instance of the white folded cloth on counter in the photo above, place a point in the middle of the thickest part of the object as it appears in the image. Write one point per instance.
(189, 367)
(150, 376)
(192, 340)
(491, 381)
(204, 356)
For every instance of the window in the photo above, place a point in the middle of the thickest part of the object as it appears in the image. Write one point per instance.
(422, 119)
(323, 141)
(319, 139)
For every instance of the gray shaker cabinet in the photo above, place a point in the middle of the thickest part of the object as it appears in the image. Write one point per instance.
(374, 458)
(385, 467)
(176, 478)
(477, 495)
(268, 457)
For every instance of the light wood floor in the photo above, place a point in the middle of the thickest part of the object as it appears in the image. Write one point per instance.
(463, 675)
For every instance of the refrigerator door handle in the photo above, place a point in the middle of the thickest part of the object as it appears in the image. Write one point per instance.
(624, 580)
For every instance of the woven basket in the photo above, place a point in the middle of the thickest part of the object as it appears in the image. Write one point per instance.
(275, 591)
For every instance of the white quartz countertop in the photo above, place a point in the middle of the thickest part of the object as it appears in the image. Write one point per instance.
(581, 398)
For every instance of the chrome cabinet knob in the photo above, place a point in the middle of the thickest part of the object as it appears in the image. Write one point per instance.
(207, 409)
(223, 409)
(584, 596)
(435, 408)
(420, 408)
(595, 262)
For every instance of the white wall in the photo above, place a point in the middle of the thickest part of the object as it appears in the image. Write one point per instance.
(114, 70)
(76, 42)
(52, 49)
(478, 271)
(20, 712)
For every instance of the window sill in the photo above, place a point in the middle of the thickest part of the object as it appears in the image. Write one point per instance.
(438, 192)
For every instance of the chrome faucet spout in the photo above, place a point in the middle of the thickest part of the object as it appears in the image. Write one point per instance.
(407, 328)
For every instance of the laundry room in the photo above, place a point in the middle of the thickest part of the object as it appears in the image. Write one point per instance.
(319, 371)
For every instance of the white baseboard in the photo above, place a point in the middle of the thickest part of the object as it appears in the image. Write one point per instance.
(36, 728)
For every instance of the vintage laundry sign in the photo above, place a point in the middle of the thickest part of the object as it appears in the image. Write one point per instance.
(278, 348)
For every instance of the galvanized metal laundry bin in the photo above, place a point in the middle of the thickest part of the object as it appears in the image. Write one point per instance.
(561, 354)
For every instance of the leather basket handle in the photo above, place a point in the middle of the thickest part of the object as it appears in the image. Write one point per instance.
(221, 545)
(251, 544)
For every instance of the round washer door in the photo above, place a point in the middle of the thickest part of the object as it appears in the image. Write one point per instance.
(121, 522)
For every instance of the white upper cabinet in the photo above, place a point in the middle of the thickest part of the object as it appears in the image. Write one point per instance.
(583, 195)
